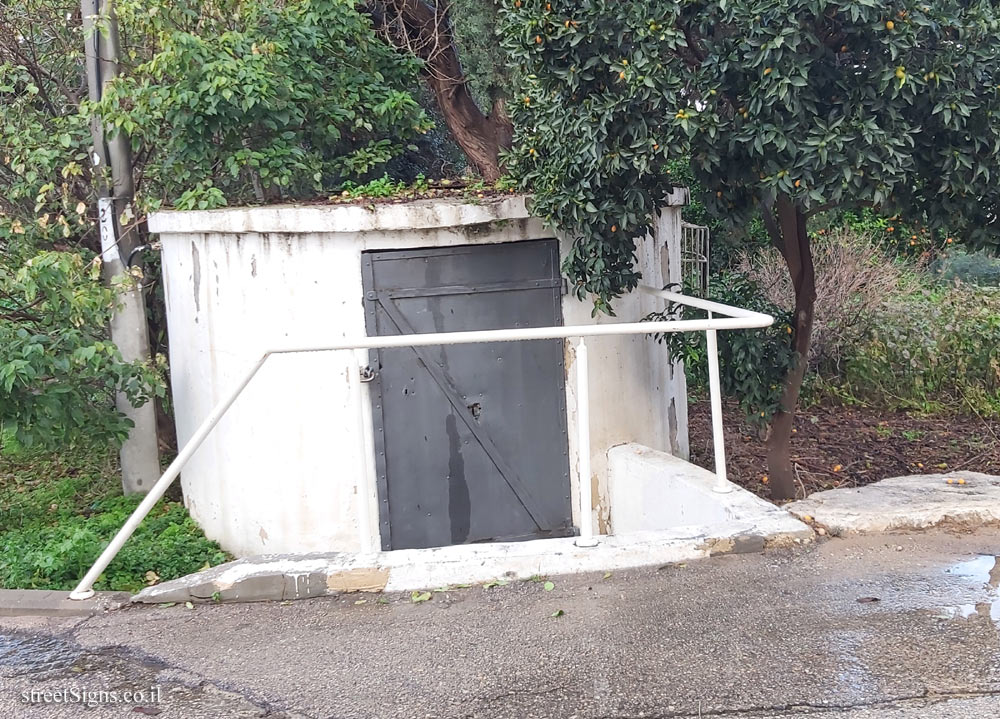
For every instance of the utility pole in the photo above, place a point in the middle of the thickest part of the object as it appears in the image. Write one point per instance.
(112, 154)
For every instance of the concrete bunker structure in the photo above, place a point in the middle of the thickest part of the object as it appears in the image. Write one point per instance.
(435, 452)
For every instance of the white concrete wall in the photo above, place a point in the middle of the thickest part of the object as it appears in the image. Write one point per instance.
(655, 491)
(635, 393)
(282, 472)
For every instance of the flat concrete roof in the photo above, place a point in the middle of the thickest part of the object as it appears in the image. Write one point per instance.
(353, 218)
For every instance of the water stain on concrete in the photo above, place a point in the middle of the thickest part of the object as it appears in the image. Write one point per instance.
(22, 654)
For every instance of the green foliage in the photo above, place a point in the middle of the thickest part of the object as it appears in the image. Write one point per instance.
(224, 101)
(58, 371)
(384, 187)
(44, 166)
(58, 512)
(380, 187)
(905, 237)
(933, 348)
(246, 101)
(483, 60)
(829, 104)
(752, 363)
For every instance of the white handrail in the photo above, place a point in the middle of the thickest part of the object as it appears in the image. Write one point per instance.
(736, 319)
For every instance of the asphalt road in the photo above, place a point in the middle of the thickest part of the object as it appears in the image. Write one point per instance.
(781, 634)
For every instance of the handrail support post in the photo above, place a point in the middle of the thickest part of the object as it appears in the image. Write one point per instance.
(586, 538)
(722, 485)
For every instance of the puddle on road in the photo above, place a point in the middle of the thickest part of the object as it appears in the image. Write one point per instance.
(29, 655)
(981, 572)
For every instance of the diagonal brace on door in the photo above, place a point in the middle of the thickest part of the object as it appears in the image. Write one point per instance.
(523, 493)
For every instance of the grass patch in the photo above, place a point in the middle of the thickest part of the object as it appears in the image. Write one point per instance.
(58, 511)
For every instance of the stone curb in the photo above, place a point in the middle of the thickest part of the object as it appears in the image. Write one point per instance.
(285, 577)
(49, 603)
(954, 499)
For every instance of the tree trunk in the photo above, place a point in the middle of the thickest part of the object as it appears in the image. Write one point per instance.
(793, 242)
(424, 29)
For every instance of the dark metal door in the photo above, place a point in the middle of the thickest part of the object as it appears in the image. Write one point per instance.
(470, 440)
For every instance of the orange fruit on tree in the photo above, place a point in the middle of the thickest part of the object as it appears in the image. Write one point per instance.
(889, 25)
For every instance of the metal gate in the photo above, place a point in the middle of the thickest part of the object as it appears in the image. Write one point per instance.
(470, 440)
(694, 259)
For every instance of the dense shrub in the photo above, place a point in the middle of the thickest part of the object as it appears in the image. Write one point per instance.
(242, 101)
(931, 348)
(58, 512)
(888, 332)
(854, 276)
(59, 373)
(224, 101)
(907, 237)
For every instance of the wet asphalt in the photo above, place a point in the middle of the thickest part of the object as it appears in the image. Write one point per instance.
(894, 627)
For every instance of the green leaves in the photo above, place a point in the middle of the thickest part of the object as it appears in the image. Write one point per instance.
(592, 137)
(833, 104)
(752, 363)
(58, 510)
(58, 371)
(257, 101)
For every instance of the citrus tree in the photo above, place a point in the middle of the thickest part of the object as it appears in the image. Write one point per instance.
(786, 107)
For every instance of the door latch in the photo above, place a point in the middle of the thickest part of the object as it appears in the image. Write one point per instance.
(367, 374)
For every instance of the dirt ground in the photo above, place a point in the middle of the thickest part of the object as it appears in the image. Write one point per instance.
(835, 446)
